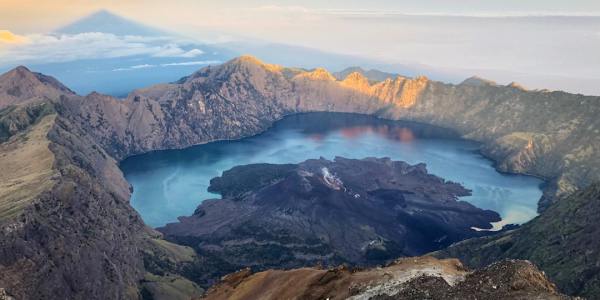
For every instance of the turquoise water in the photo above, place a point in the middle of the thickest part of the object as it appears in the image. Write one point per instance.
(172, 183)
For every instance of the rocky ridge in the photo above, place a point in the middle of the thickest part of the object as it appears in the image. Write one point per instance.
(552, 135)
(66, 227)
(85, 206)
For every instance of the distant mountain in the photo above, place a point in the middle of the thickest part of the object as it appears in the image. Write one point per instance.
(372, 75)
(162, 56)
(107, 22)
(309, 58)
(477, 81)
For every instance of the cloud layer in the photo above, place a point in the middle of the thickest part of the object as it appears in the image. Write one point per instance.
(176, 64)
(48, 48)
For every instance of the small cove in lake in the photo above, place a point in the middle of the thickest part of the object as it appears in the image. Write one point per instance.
(171, 183)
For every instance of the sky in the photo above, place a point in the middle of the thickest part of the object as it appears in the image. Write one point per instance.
(539, 43)
(36, 16)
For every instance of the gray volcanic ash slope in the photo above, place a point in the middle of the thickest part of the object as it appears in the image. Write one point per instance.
(361, 212)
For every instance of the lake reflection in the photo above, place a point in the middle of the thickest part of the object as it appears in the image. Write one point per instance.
(172, 183)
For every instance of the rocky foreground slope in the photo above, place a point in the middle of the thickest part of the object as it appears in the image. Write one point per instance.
(67, 229)
(409, 278)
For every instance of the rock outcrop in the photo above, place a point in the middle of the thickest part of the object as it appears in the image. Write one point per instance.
(409, 278)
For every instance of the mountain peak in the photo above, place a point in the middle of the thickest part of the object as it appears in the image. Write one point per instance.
(317, 74)
(105, 21)
(247, 59)
(516, 85)
(477, 81)
(252, 61)
(20, 84)
(21, 69)
(356, 79)
(372, 75)
(20, 73)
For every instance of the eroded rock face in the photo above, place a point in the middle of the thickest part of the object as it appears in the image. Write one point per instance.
(362, 212)
(409, 278)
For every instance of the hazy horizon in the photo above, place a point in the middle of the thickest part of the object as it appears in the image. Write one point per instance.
(540, 44)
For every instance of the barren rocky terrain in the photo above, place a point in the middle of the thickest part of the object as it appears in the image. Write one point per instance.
(68, 231)
(408, 278)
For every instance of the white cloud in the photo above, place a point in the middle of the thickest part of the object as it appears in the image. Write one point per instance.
(142, 66)
(283, 9)
(384, 13)
(173, 50)
(193, 53)
(186, 63)
(192, 63)
(37, 48)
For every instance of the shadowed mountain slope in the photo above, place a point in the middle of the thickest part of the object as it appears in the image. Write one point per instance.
(21, 85)
(563, 241)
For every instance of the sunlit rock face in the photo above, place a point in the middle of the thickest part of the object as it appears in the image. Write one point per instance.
(400, 92)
